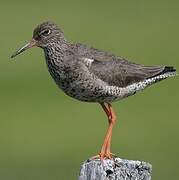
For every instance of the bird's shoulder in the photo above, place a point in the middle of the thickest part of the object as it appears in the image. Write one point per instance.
(93, 53)
(95, 58)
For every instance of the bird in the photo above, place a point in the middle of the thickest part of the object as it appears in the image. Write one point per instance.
(91, 75)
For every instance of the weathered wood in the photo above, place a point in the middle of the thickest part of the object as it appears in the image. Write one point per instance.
(116, 169)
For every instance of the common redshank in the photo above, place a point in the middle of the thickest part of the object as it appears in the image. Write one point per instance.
(92, 75)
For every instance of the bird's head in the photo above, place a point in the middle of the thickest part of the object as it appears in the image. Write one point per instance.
(43, 35)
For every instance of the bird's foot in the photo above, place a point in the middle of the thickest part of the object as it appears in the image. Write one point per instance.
(104, 155)
(107, 155)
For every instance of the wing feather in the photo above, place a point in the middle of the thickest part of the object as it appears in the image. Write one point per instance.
(114, 70)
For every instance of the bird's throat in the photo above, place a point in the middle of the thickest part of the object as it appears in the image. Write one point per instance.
(54, 56)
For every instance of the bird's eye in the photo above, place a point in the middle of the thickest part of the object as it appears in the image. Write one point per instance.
(45, 32)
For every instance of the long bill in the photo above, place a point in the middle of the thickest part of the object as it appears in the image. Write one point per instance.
(32, 43)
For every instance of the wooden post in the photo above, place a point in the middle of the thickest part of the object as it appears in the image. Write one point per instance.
(115, 169)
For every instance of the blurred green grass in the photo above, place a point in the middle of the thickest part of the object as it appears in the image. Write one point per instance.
(45, 134)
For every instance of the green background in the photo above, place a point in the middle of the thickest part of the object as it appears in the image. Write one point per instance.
(46, 135)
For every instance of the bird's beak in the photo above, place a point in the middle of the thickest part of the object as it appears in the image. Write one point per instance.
(30, 44)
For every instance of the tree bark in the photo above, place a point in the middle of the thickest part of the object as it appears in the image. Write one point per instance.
(115, 169)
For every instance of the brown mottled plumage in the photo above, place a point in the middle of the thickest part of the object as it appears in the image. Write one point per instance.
(92, 75)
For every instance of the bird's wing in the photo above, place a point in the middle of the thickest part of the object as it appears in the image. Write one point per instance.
(122, 73)
(115, 71)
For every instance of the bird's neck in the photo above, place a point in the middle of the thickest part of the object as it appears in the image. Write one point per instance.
(54, 53)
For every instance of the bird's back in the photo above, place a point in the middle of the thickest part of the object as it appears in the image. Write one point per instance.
(117, 71)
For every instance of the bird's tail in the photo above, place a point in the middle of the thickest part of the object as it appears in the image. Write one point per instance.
(168, 71)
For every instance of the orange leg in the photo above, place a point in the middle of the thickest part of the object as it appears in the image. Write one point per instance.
(111, 120)
(105, 150)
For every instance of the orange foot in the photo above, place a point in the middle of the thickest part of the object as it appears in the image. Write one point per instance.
(102, 156)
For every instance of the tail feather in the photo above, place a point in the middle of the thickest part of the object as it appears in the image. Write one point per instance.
(167, 69)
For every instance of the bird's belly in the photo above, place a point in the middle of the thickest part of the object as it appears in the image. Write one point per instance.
(87, 92)
(89, 96)
(80, 89)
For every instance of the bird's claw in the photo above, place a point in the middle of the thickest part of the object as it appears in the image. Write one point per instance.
(103, 156)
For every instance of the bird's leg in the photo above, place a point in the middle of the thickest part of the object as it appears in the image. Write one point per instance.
(112, 120)
(106, 110)
(105, 150)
